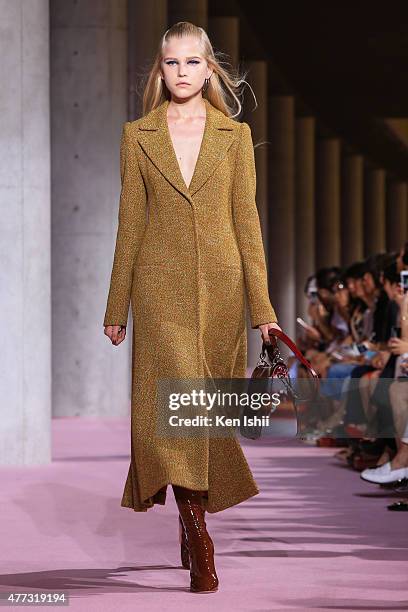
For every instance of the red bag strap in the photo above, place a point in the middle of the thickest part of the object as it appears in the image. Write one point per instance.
(289, 342)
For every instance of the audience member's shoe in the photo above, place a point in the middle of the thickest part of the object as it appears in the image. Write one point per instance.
(368, 455)
(401, 506)
(326, 442)
(343, 454)
(402, 486)
(384, 473)
(360, 461)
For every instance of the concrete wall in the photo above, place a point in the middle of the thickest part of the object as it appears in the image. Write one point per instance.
(25, 362)
(88, 109)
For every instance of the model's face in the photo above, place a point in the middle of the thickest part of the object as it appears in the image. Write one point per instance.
(183, 67)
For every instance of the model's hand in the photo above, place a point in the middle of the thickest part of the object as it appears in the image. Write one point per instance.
(116, 333)
(265, 331)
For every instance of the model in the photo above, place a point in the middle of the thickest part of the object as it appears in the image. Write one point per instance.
(188, 250)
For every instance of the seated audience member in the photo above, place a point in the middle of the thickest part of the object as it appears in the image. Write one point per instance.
(355, 342)
(381, 414)
(378, 327)
(353, 280)
(396, 469)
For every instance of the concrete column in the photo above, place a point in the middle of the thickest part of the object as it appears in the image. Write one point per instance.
(25, 373)
(224, 36)
(374, 211)
(281, 195)
(305, 209)
(147, 22)
(352, 209)
(258, 120)
(396, 225)
(91, 377)
(186, 10)
(327, 224)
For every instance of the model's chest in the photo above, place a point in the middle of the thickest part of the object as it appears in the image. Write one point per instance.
(163, 175)
(186, 141)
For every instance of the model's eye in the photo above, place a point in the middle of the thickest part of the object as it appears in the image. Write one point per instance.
(171, 62)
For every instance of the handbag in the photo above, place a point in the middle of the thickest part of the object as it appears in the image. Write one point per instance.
(274, 372)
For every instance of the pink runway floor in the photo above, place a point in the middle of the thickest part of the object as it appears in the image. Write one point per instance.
(316, 538)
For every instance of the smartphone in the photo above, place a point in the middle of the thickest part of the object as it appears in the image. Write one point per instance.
(404, 280)
(361, 348)
(313, 296)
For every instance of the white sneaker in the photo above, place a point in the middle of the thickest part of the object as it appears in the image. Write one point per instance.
(384, 474)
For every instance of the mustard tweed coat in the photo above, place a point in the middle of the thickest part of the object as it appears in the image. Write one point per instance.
(187, 260)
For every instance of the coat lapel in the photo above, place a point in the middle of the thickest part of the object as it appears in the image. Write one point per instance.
(154, 137)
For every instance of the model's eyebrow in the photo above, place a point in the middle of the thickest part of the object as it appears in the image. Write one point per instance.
(189, 57)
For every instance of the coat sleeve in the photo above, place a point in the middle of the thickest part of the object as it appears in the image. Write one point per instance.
(131, 227)
(248, 232)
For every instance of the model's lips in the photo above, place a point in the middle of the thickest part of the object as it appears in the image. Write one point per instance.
(182, 84)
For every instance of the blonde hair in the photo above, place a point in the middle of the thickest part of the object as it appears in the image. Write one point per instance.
(224, 86)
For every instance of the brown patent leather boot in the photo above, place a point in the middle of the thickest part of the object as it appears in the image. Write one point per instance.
(200, 546)
(185, 557)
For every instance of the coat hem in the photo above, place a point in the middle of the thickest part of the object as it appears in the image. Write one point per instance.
(159, 498)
